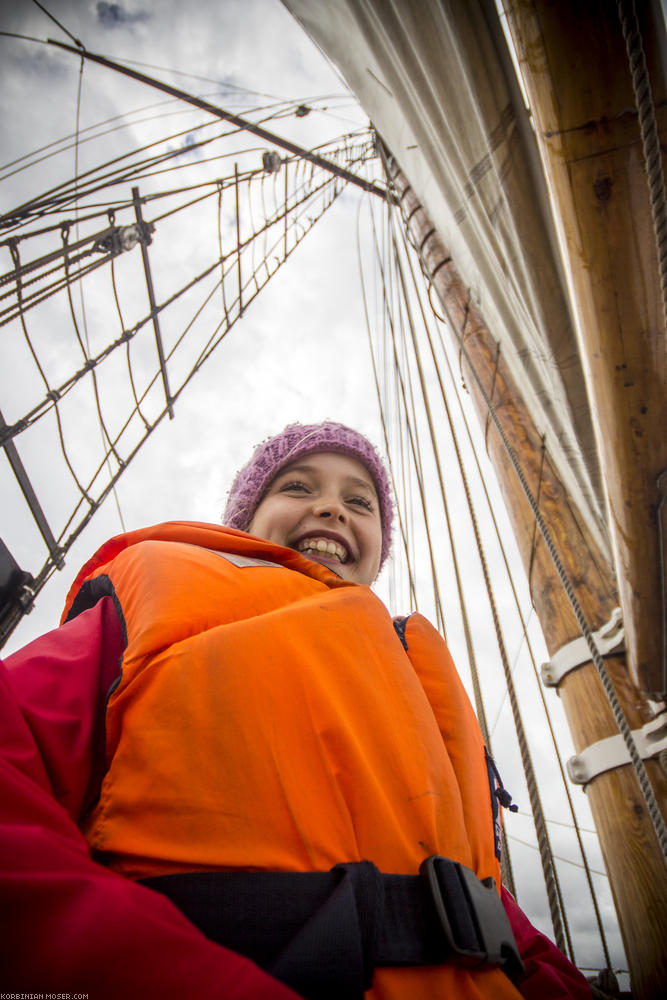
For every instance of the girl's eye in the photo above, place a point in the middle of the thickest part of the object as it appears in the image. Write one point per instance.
(361, 502)
(295, 486)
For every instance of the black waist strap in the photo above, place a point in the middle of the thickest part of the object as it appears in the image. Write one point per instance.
(323, 933)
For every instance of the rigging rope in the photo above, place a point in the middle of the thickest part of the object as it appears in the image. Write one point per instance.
(52, 395)
(383, 421)
(576, 826)
(61, 26)
(414, 445)
(122, 328)
(64, 193)
(280, 230)
(505, 861)
(104, 434)
(586, 631)
(575, 823)
(554, 895)
(650, 138)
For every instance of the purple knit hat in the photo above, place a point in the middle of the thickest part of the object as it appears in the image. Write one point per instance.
(297, 440)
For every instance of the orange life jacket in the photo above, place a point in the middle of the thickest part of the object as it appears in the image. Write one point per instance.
(268, 717)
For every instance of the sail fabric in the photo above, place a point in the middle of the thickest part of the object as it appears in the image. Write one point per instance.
(436, 80)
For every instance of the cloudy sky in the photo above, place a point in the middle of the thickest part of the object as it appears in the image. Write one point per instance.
(300, 352)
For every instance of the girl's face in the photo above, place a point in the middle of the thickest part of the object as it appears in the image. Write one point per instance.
(325, 505)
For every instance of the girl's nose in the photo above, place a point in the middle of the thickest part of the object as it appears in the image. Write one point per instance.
(330, 508)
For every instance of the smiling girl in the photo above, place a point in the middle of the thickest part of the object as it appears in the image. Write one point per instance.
(230, 749)
(325, 507)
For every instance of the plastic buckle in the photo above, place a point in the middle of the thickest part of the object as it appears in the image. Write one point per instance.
(495, 944)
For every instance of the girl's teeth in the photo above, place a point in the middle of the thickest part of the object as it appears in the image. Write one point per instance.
(323, 545)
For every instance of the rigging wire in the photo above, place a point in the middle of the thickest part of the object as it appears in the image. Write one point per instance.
(205, 79)
(650, 137)
(443, 494)
(414, 445)
(383, 421)
(218, 263)
(100, 180)
(526, 638)
(539, 820)
(568, 861)
(619, 714)
(128, 357)
(506, 867)
(104, 433)
(299, 202)
(241, 123)
(406, 493)
(585, 864)
(25, 38)
(357, 155)
(559, 822)
(653, 808)
(225, 85)
(61, 26)
(61, 195)
(314, 188)
(287, 109)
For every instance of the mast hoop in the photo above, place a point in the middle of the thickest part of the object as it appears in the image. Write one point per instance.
(610, 753)
(609, 638)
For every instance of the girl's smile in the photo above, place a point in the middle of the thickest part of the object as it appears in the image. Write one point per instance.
(325, 506)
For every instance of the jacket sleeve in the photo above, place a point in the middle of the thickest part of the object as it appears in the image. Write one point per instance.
(549, 974)
(69, 924)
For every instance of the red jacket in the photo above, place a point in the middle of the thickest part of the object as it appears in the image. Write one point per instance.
(70, 918)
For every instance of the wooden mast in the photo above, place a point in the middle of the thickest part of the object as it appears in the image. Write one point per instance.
(575, 67)
(632, 854)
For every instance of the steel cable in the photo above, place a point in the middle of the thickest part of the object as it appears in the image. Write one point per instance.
(586, 631)
(649, 135)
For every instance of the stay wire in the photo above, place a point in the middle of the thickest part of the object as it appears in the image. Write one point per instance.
(445, 503)
(104, 433)
(381, 407)
(568, 861)
(396, 321)
(559, 822)
(413, 443)
(407, 492)
(128, 357)
(526, 637)
(95, 177)
(393, 379)
(127, 120)
(213, 341)
(62, 27)
(650, 137)
(43, 293)
(64, 193)
(647, 791)
(51, 394)
(84, 348)
(390, 395)
(585, 863)
(506, 866)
